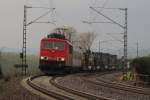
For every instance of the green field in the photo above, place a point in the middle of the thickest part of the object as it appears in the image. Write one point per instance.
(9, 59)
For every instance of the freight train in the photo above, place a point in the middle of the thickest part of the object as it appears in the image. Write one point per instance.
(58, 54)
(99, 61)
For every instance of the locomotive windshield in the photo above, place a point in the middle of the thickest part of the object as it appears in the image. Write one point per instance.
(53, 45)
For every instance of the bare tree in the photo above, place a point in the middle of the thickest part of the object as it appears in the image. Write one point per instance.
(86, 40)
(85, 43)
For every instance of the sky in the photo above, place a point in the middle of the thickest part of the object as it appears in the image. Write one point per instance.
(72, 13)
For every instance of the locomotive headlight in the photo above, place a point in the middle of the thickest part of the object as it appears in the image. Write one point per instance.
(42, 57)
(62, 59)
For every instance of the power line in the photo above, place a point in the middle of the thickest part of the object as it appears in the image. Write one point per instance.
(115, 38)
(40, 7)
(94, 22)
(40, 17)
(103, 6)
(107, 17)
(125, 27)
(110, 8)
(48, 6)
(23, 54)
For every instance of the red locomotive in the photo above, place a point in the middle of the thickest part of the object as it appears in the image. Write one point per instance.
(57, 54)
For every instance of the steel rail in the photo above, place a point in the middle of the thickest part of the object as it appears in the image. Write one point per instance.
(126, 87)
(45, 91)
(120, 86)
(77, 92)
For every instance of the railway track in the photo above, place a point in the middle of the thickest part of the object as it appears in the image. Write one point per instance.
(120, 87)
(45, 91)
(104, 87)
(124, 87)
(59, 96)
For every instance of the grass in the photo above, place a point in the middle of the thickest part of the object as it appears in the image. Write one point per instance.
(12, 90)
(9, 59)
(1, 86)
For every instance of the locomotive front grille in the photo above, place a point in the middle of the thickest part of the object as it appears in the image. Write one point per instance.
(51, 64)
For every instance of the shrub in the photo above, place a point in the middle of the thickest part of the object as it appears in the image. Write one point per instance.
(7, 78)
(142, 66)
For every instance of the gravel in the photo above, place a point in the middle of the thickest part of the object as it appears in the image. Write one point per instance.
(78, 83)
(11, 89)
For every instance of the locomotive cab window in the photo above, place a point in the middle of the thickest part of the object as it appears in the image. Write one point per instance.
(53, 45)
(58, 45)
(47, 45)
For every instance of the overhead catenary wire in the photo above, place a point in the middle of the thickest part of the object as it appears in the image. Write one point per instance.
(115, 38)
(107, 17)
(23, 54)
(40, 17)
(44, 6)
(110, 8)
(103, 6)
(125, 27)
(41, 7)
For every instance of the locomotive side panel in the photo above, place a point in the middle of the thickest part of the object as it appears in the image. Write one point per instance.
(69, 54)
